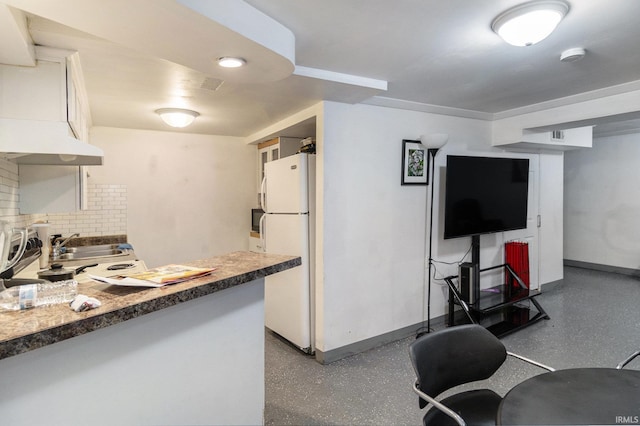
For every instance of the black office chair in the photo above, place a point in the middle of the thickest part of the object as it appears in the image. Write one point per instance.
(454, 356)
(628, 360)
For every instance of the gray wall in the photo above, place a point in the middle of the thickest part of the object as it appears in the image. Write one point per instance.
(189, 195)
(602, 203)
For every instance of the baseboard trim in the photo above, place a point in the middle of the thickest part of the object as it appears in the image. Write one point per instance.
(604, 268)
(334, 355)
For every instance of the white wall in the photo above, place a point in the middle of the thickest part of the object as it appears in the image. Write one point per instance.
(551, 266)
(373, 242)
(189, 195)
(602, 202)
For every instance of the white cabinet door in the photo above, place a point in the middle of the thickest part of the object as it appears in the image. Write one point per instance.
(51, 189)
(33, 93)
(53, 91)
(79, 117)
(265, 155)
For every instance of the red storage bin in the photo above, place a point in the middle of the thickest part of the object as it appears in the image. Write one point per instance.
(516, 255)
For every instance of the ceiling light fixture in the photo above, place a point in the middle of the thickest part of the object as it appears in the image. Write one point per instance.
(529, 23)
(230, 62)
(177, 117)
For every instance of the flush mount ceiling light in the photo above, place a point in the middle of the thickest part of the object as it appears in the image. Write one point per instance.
(529, 23)
(230, 62)
(177, 117)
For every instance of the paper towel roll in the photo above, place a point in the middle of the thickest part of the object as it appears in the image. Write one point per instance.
(42, 229)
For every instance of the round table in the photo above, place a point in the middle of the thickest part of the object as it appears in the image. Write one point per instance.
(576, 396)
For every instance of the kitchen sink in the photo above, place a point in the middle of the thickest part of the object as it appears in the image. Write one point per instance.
(103, 253)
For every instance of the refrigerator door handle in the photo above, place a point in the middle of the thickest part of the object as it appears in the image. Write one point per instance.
(263, 241)
(263, 198)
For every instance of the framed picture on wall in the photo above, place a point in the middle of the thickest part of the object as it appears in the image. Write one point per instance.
(414, 163)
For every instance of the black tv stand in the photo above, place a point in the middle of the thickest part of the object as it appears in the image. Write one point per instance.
(502, 309)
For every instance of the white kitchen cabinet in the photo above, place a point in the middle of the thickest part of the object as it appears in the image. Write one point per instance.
(275, 149)
(78, 114)
(52, 189)
(34, 93)
(52, 92)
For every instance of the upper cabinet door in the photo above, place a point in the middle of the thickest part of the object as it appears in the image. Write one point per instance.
(78, 114)
(33, 93)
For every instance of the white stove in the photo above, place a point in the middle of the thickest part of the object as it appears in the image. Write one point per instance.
(28, 266)
(107, 269)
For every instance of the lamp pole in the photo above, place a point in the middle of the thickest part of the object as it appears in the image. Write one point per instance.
(433, 143)
(432, 154)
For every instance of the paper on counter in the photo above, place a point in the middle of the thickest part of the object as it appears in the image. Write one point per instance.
(125, 281)
(156, 277)
(170, 274)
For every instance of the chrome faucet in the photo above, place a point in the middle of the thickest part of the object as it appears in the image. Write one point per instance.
(57, 245)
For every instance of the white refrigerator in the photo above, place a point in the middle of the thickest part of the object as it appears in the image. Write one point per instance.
(288, 227)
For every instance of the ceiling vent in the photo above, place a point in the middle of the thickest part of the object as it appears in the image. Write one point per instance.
(557, 135)
(211, 84)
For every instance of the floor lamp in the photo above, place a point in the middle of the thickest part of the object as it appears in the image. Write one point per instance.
(432, 143)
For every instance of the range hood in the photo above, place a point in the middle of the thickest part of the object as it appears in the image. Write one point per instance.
(45, 143)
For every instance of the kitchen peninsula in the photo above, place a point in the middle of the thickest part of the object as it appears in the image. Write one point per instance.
(188, 353)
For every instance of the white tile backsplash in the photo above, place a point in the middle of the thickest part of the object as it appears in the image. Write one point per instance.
(8, 188)
(106, 213)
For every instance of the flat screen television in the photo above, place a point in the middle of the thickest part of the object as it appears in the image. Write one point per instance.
(485, 195)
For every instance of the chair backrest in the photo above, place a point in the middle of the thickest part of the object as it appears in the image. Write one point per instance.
(455, 355)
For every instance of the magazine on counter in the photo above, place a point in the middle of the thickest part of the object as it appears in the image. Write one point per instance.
(156, 277)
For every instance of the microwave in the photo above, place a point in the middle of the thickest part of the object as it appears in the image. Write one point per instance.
(256, 214)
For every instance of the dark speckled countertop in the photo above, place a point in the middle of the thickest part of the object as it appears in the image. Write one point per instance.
(22, 331)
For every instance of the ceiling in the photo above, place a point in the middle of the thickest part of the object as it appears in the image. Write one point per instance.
(428, 55)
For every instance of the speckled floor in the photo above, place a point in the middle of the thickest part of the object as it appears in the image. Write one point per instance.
(594, 322)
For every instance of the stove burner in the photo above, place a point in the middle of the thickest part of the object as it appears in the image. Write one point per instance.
(121, 266)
